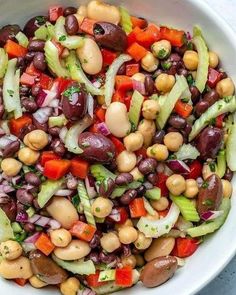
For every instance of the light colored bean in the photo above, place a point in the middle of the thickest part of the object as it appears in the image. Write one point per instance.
(63, 211)
(148, 129)
(100, 11)
(17, 268)
(75, 250)
(10, 250)
(126, 161)
(117, 119)
(37, 283)
(160, 247)
(60, 237)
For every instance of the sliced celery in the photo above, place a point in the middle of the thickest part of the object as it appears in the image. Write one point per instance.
(118, 191)
(231, 148)
(153, 194)
(22, 39)
(135, 108)
(18, 110)
(126, 23)
(51, 30)
(47, 190)
(101, 173)
(41, 33)
(3, 62)
(58, 121)
(221, 163)
(6, 231)
(187, 152)
(107, 275)
(148, 207)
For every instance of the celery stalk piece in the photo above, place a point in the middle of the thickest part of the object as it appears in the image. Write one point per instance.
(41, 33)
(3, 62)
(8, 86)
(6, 231)
(126, 23)
(22, 39)
(18, 109)
(100, 173)
(228, 104)
(148, 207)
(187, 152)
(231, 148)
(47, 190)
(221, 163)
(58, 121)
(135, 108)
(118, 191)
(153, 194)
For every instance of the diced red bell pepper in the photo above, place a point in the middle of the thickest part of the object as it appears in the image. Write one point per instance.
(195, 170)
(132, 37)
(136, 51)
(220, 121)
(141, 153)
(161, 183)
(94, 128)
(17, 125)
(87, 26)
(148, 36)
(123, 83)
(137, 209)
(48, 156)
(118, 144)
(213, 77)
(124, 276)
(83, 231)
(14, 49)
(163, 213)
(127, 101)
(46, 81)
(122, 216)
(31, 70)
(55, 12)
(100, 114)
(185, 247)
(44, 244)
(108, 56)
(183, 109)
(27, 79)
(92, 280)
(62, 84)
(56, 169)
(79, 168)
(132, 69)
(138, 22)
(175, 37)
(21, 282)
(119, 95)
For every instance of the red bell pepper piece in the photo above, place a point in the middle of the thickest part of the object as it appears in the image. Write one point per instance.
(220, 121)
(83, 231)
(31, 70)
(148, 36)
(213, 77)
(195, 170)
(55, 12)
(138, 22)
(163, 213)
(56, 169)
(136, 51)
(118, 144)
(100, 114)
(121, 217)
(124, 276)
(87, 26)
(17, 125)
(21, 282)
(94, 128)
(175, 37)
(79, 168)
(119, 95)
(183, 109)
(161, 183)
(108, 56)
(132, 37)
(46, 81)
(141, 153)
(44, 244)
(14, 49)
(132, 69)
(27, 79)
(92, 280)
(185, 247)
(48, 156)
(62, 84)
(137, 209)
(127, 101)
(123, 83)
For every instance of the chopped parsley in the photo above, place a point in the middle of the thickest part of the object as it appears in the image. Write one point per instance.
(40, 20)
(70, 91)
(75, 201)
(208, 202)
(97, 209)
(190, 46)
(62, 38)
(212, 167)
(166, 65)
(190, 80)
(85, 144)
(162, 53)
(110, 154)
(205, 184)
(85, 61)
(10, 92)
(185, 99)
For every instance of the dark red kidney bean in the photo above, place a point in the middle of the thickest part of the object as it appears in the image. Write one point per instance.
(58, 147)
(181, 50)
(223, 75)
(8, 32)
(177, 122)
(21, 64)
(110, 35)
(182, 72)
(147, 166)
(74, 102)
(148, 185)
(187, 129)
(152, 177)
(126, 250)
(106, 187)
(124, 179)
(26, 129)
(36, 204)
(32, 178)
(201, 107)
(209, 142)
(141, 191)
(211, 97)
(128, 196)
(29, 227)
(172, 129)
(54, 131)
(29, 56)
(210, 194)
(69, 10)
(95, 242)
(159, 136)
(37, 125)
(24, 197)
(94, 256)
(29, 104)
(195, 94)
(11, 149)
(33, 24)
(122, 70)
(39, 62)
(35, 89)
(8, 205)
(2, 110)
(107, 258)
(24, 90)
(228, 174)
(36, 45)
(174, 57)
(71, 25)
(96, 147)
(172, 70)
(149, 85)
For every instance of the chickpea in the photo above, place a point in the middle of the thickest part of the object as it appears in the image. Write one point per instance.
(160, 205)
(190, 60)
(128, 261)
(176, 184)
(142, 242)
(191, 188)
(140, 77)
(161, 49)
(150, 109)
(103, 12)
(206, 171)
(137, 175)
(225, 87)
(11, 167)
(126, 161)
(10, 250)
(36, 140)
(17, 268)
(227, 188)
(70, 286)
(128, 235)
(128, 222)
(149, 62)
(139, 260)
(133, 141)
(148, 129)
(60, 237)
(110, 242)
(213, 59)
(101, 207)
(164, 82)
(173, 141)
(77, 249)
(28, 156)
(37, 283)
(158, 151)
(160, 247)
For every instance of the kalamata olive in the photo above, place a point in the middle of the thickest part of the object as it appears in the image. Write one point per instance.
(11, 149)
(209, 142)
(32, 178)
(107, 258)
(58, 147)
(54, 131)
(35, 89)
(1, 110)
(228, 174)
(201, 107)
(24, 197)
(159, 136)
(45, 268)
(181, 50)
(8, 205)
(110, 35)
(41, 126)
(96, 147)
(8, 32)
(177, 122)
(106, 187)
(122, 70)
(149, 85)
(182, 72)
(141, 191)
(29, 104)
(158, 271)
(95, 242)
(36, 45)
(152, 177)
(24, 90)
(187, 129)
(124, 179)
(21, 64)
(33, 24)
(71, 25)
(29, 227)
(128, 196)
(94, 256)
(147, 166)
(69, 10)
(210, 194)
(74, 100)
(39, 62)
(195, 94)
(211, 97)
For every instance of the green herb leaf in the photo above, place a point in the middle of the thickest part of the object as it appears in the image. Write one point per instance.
(10, 92)
(62, 38)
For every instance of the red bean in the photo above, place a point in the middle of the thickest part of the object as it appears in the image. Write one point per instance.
(71, 25)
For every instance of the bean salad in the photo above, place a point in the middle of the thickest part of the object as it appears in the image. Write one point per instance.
(117, 146)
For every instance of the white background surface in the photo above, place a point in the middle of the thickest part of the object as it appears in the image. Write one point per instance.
(225, 283)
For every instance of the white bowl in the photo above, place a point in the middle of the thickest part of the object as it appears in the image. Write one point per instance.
(216, 251)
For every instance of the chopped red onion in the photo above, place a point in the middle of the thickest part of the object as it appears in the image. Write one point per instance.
(45, 97)
(22, 216)
(210, 215)
(63, 133)
(115, 215)
(90, 188)
(71, 182)
(28, 247)
(32, 239)
(102, 127)
(178, 166)
(199, 181)
(139, 86)
(6, 188)
(15, 179)
(54, 224)
(160, 167)
(39, 168)
(54, 103)
(44, 221)
(6, 139)
(90, 105)
(41, 97)
(63, 192)
(2, 132)
(97, 83)
(167, 171)
(42, 114)
(189, 37)
(27, 186)
(86, 291)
